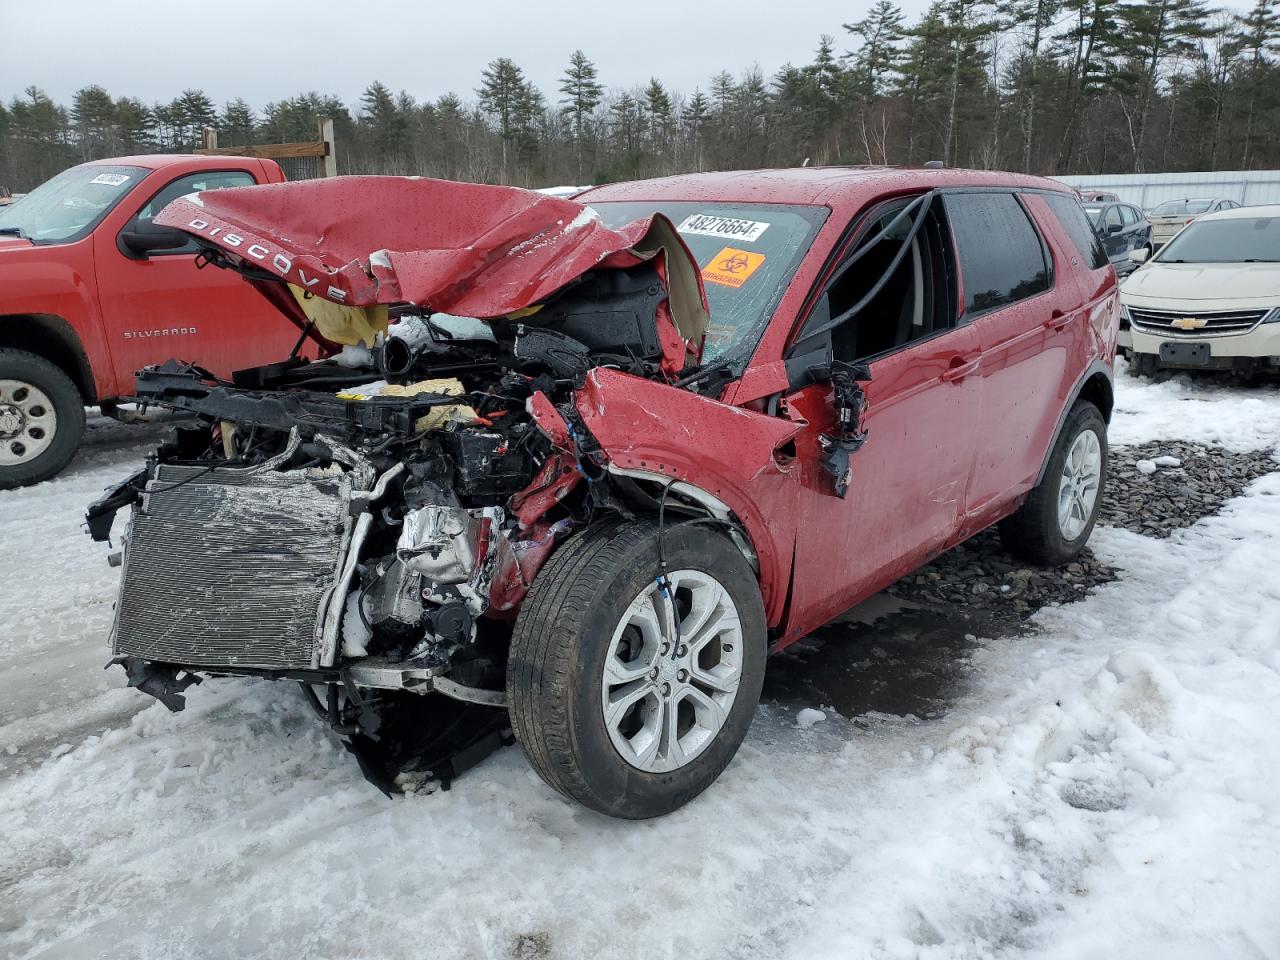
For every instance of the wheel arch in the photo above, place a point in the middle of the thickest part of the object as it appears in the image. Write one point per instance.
(1096, 386)
(52, 337)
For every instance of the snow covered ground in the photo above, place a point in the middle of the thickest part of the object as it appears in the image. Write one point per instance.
(1106, 785)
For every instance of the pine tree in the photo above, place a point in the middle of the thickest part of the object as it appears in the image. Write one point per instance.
(877, 56)
(657, 115)
(581, 91)
(504, 96)
(1034, 18)
(236, 125)
(1151, 33)
(94, 114)
(135, 125)
(190, 113)
(693, 122)
(385, 120)
(1258, 33)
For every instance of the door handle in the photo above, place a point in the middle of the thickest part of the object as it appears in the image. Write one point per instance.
(1057, 319)
(959, 369)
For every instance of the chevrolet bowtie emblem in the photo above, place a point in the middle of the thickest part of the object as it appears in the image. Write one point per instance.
(1189, 323)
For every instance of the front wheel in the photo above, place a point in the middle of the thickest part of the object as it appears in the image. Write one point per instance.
(1054, 523)
(631, 692)
(41, 419)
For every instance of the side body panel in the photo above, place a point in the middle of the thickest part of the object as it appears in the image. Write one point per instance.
(908, 490)
(57, 281)
(1032, 351)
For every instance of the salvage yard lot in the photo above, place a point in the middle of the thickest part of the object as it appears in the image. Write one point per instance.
(991, 776)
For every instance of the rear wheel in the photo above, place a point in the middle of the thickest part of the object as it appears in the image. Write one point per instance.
(631, 695)
(41, 419)
(1054, 523)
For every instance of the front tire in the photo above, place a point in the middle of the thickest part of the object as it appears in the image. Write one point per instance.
(1055, 522)
(627, 697)
(41, 419)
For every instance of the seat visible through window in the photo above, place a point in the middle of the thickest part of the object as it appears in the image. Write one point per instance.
(916, 299)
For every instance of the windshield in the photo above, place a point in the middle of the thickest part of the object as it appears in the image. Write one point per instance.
(1238, 240)
(1094, 213)
(1182, 208)
(67, 207)
(748, 253)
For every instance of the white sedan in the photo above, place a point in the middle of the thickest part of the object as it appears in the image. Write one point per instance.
(1210, 298)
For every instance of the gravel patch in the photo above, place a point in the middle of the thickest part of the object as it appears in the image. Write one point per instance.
(1153, 489)
(1157, 488)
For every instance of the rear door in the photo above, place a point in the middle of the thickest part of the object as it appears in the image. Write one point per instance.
(907, 489)
(1020, 315)
(163, 306)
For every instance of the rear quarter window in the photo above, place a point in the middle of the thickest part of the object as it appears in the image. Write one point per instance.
(1074, 220)
(1002, 259)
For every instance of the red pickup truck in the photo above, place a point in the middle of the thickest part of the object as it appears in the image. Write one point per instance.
(91, 290)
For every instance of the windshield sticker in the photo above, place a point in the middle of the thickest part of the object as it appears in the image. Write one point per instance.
(111, 179)
(706, 225)
(731, 267)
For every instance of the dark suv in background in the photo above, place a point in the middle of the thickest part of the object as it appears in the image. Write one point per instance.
(1121, 227)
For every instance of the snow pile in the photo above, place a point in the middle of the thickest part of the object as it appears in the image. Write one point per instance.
(1109, 785)
(807, 717)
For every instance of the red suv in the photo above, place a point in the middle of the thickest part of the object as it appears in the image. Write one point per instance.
(607, 454)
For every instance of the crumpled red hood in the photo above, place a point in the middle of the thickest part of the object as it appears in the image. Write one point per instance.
(462, 248)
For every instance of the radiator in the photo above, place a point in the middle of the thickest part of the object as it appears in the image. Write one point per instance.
(229, 567)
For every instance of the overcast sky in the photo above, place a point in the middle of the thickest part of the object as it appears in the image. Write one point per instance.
(263, 50)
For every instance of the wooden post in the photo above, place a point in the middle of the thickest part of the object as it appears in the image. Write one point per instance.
(330, 160)
(208, 138)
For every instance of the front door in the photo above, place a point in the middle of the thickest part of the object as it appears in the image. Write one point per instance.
(908, 486)
(163, 307)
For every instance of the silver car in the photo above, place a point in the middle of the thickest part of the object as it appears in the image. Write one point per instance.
(1170, 217)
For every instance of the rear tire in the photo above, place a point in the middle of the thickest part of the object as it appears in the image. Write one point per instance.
(1055, 522)
(41, 419)
(593, 650)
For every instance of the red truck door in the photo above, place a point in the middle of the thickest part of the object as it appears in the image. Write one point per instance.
(161, 306)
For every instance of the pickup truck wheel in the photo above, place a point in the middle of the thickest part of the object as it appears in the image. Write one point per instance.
(627, 695)
(41, 419)
(1054, 523)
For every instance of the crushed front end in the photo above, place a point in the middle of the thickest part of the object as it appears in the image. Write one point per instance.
(368, 524)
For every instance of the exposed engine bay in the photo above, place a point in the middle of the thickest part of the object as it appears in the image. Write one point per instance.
(370, 523)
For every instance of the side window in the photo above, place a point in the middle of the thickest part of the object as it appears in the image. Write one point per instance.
(917, 298)
(1002, 259)
(191, 183)
(1130, 216)
(1076, 222)
(1111, 219)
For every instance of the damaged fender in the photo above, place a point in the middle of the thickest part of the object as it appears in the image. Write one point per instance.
(730, 452)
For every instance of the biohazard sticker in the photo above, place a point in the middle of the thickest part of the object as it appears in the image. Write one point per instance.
(111, 179)
(731, 267)
(731, 228)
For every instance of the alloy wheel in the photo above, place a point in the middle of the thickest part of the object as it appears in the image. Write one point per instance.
(672, 671)
(1078, 489)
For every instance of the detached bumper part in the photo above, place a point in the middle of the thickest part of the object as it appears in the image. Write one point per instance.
(164, 682)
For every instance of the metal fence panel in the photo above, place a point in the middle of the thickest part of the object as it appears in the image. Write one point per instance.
(1246, 187)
